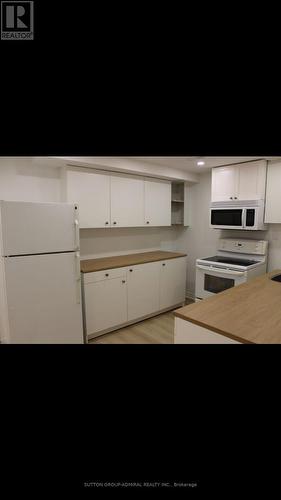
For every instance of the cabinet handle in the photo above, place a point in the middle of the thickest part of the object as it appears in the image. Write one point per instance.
(114, 222)
(107, 275)
(231, 198)
(235, 197)
(163, 264)
(123, 281)
(131, 270)
(148, 222)
(107, 223)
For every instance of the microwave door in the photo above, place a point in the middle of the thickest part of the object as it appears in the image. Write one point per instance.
(230, 218)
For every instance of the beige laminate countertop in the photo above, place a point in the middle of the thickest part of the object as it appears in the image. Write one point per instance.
(92, 265)
(248, 313)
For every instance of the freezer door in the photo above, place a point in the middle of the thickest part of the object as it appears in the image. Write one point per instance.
(44, 299)
(30, 228)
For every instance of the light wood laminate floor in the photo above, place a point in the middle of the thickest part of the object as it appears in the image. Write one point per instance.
(157, 330)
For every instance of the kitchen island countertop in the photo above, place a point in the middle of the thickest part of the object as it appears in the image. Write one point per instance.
(248, 313)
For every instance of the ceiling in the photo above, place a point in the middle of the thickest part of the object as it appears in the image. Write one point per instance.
(189, 163)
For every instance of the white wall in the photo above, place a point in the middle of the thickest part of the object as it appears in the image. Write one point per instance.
(112, 241)
(23, 180)
(201, 241)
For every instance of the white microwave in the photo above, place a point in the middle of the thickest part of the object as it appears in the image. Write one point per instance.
(241, 215)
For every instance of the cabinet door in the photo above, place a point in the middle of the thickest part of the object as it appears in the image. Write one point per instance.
(143, 289)
(157, 202)
(105, 304)
(273, 190)
(127, 201)
(91, 191)
(172, 282)
(252, 179)
(225, 182)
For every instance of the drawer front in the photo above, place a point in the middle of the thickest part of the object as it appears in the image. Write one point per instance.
(107, 274)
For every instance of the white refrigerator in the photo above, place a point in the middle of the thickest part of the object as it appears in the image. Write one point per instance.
(40, 287)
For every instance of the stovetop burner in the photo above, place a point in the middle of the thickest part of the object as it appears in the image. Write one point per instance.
(228, 260)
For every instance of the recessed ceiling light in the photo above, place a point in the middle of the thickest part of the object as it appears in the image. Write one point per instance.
(199, 163)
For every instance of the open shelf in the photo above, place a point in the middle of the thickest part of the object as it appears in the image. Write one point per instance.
(179, 207)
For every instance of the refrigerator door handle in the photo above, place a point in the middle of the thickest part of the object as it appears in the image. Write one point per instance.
(78, 277)
(76, 224)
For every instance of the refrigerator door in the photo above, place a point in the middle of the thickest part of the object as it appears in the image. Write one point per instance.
(44, 299)
(33, 228)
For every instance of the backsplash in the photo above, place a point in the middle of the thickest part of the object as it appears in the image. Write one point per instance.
(119, 241)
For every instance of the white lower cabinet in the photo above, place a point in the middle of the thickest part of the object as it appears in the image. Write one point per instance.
(105, 304)
(118, 296)
(143, 289)
(172, 282)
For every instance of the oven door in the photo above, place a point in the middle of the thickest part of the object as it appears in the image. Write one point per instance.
(227, 218)
(210, 280)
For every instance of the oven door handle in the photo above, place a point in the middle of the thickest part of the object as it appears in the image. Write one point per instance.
(223, 271)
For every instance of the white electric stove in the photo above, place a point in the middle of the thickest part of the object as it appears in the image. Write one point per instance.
(237, 261)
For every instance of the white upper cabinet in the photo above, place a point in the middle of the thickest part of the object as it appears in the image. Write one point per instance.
(252, 180)
(118, 200)
(239, 182)
(273, 191)
(91, 191)
(157, 202)
(225, 181)
(127, 201)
